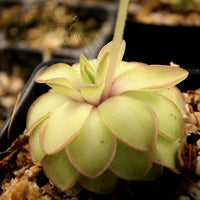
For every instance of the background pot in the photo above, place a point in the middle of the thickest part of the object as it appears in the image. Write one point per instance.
(162, 44)
(98, 18)
(105, 14)
(157, 33)
(153, 44)
(26, 58)
(16, 66)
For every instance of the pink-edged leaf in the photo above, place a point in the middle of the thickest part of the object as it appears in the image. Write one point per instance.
(65, 89)
(148, 77)
(167, 151)
(155, 172)
(131, 164)
(92, 93)
(34, 144)
(85, 79)
(87, 71)
(100, 185)
(127, 66)
(169, 117)
(61, 70)
(75, 189)
(130, 121)
(43, 105)
(174, 94)
(59, 170)
(64, 124)
(107, 49)
(102, 69)
(93, 149)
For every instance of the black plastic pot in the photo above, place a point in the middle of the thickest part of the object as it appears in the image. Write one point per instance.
(153, 44)
(104, 14)
(25, 58)
(161, 44)
(31, 91)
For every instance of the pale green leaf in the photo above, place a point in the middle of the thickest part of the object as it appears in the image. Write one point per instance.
(131, 164)
(59, 170)
(127, 66)
(85, 79)
(61, 70)
(89, 64)
(155, 172)
(64, 124)
(93, 149)
(107, 49)
(174, 94)
(101, 185)
(43, 105)
(61, 80)
(75, 189)
(148, 77)
(65, 90)
(167, 153)
(87, 71)
(92, 93)
(102, 69)
(169, 116)
(34, 144)
(130, 121)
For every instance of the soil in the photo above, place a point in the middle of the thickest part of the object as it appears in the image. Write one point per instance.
(21, 179)
(153, 12)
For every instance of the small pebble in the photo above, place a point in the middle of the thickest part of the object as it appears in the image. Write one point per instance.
(184, 198)
(194, 191)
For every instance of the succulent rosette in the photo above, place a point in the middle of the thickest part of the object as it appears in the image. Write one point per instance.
(84, 140)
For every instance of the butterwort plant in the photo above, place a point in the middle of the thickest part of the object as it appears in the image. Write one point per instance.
(105, 119)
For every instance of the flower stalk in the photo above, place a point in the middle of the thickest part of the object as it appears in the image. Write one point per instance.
(115, 50)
